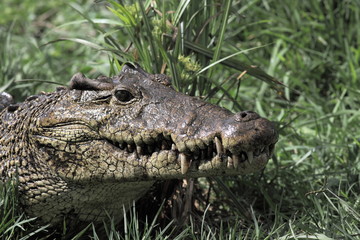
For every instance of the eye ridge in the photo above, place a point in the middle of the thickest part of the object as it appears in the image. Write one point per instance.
(123, 95)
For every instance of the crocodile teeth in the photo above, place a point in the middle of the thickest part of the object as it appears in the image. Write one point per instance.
(236, 161)
(130, 148)
(230, 162)
(184, 163)
(173, 147)
(250, 156)
(139, 150)
(219, 147)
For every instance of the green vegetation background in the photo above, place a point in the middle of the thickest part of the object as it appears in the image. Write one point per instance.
(230, 53)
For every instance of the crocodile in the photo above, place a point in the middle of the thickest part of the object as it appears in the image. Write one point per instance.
(87, 150)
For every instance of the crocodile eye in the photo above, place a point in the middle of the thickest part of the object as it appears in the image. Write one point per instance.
(123, 95)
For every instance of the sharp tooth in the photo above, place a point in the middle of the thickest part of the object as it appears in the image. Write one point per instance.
(139, 150)
(219, 147)
(184, 163)
(250, 156)
(230, 163)
(173, 147)
(243, 156)
(236, 161)
(130, 148)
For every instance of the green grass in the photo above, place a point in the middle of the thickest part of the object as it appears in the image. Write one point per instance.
(311, 187)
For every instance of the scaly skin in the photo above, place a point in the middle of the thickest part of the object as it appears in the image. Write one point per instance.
(102, 143)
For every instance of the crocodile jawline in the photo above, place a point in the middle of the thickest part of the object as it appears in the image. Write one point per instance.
(188, 158)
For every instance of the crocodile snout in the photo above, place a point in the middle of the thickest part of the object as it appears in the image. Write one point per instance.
(248, 128)
(247, 132)
(210, 139)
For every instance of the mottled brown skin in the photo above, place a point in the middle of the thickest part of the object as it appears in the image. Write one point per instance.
(102, 143)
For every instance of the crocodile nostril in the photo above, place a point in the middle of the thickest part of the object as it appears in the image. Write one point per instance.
(246, 116)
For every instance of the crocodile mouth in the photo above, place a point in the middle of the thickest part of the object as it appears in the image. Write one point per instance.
(200, 157)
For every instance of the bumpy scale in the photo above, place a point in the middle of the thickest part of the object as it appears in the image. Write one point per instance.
(75, 150)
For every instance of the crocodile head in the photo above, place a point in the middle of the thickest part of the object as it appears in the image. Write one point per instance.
(103, 142)
(136, 127)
